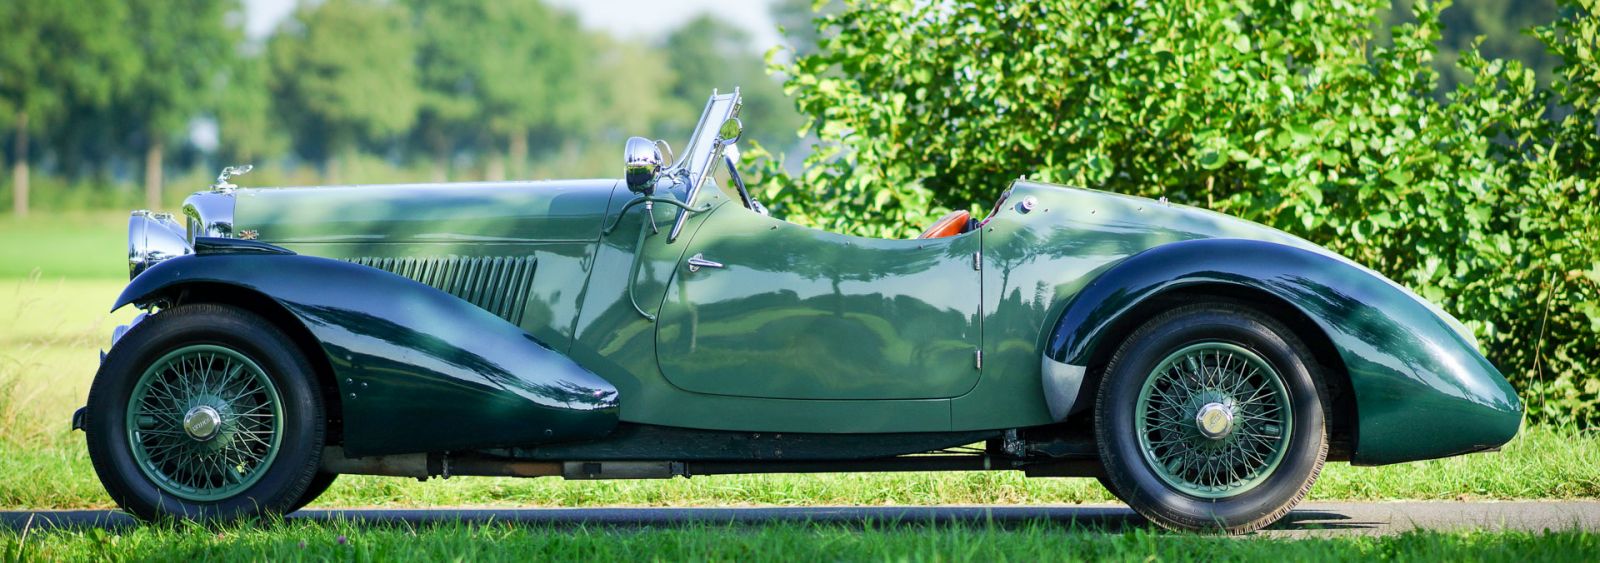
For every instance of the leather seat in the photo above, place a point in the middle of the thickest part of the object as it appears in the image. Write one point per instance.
(952, 224)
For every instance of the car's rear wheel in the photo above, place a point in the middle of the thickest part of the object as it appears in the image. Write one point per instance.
(205, 411)
(1211, 417)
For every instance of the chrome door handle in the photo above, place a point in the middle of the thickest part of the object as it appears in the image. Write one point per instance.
(699, 261)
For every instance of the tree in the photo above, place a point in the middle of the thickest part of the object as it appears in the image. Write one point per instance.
(184, 47)
(343, 73)
(244, 112)
(448, 33)
(57, 53)
(709, 53)
(794, 20)
(505, 70)
(630, 92)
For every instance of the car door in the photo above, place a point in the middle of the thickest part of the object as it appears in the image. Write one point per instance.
(776, 310)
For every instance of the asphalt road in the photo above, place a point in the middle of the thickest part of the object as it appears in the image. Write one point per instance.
(1310, 519)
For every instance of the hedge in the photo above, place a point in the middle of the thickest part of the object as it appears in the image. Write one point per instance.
(1291, 113)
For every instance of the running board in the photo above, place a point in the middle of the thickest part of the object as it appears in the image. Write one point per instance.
(425, 465)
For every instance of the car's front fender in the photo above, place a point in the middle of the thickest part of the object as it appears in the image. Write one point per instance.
(1421, 389)
(416, 368)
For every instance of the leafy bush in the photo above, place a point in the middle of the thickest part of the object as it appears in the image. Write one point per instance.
(1284, 112)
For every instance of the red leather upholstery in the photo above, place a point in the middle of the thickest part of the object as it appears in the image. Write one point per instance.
(950, 225)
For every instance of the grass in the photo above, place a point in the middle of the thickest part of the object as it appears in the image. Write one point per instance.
(296, 541)
(77, 246)
(50, 332)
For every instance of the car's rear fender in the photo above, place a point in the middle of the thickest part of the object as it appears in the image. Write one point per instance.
(1421, 389)
(416, 368)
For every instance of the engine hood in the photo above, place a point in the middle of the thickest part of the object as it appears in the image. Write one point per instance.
(483, 212)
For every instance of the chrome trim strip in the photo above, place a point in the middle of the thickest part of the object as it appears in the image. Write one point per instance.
(1061, 384)
(728, 106)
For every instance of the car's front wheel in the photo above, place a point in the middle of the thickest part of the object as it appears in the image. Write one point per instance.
(205, 412)
(1211, 417)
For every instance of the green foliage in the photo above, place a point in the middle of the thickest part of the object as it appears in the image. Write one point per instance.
(344, 71)
(1501, 23)
(181, 48)
(483, 89)
(1281, 112)
(501, 68)
(57, 53)
(246, 128)
(697, 54)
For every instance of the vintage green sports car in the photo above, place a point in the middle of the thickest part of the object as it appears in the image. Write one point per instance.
(1201, 366)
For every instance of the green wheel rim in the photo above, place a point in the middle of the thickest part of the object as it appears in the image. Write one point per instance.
(204, 422)
(1213, 420)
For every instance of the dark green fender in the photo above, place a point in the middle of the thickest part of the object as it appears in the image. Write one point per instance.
(417, 369)
(1421, 389)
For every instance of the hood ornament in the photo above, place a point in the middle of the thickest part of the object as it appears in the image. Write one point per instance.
(223, 185)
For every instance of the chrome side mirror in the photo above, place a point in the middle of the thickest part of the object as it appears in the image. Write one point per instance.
(641, 164)
(730, 131)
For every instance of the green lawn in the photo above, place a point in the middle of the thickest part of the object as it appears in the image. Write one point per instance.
(297, 541)
(86, 245)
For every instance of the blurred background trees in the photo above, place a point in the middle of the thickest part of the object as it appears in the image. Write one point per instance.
(175, 47)
(344, 76)
(99, 96)
(59, 63)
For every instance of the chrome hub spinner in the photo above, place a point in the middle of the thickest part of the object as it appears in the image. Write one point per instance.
(1214, 420)
(202, 422)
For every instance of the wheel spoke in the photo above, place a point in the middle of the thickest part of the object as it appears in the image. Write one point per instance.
(239, 397)
(1217, 376)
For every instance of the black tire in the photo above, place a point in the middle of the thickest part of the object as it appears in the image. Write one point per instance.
(319, 485)
(1130, 475)
(284, 479)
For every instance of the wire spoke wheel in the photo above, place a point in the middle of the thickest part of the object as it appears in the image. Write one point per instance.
(1213, 420)
(204, 422)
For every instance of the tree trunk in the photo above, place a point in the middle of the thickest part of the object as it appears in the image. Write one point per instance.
(438, 173)
(497, 167)
(152, 174)
(19, 168)
(330, 169)
(333, 168)
(519, 153)
(441, 163)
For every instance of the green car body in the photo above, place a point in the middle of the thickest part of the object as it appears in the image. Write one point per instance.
(523, 289)
(1202, 366)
